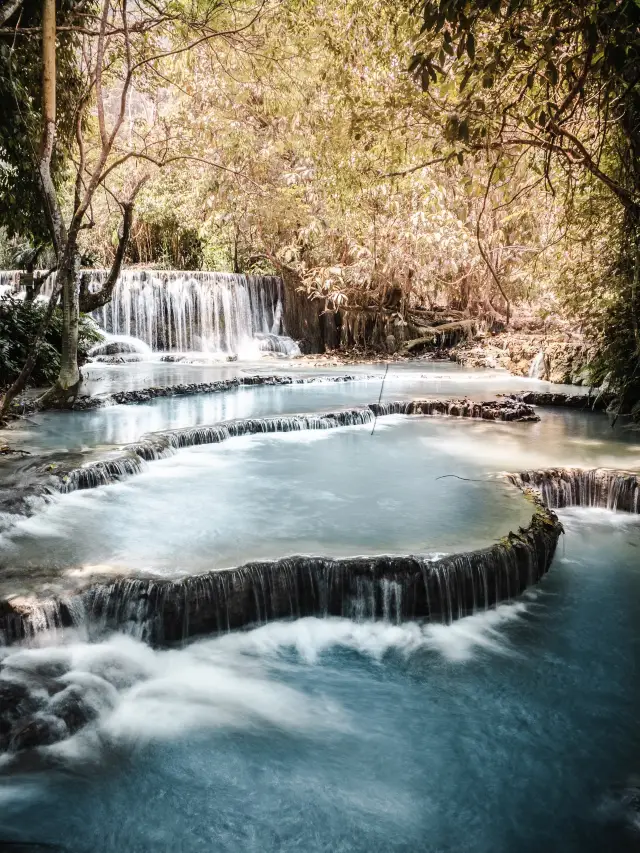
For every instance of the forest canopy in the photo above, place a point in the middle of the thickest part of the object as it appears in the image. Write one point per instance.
(477, 157)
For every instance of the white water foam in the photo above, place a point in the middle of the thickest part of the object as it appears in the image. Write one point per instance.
(311, 637)
(138, 694)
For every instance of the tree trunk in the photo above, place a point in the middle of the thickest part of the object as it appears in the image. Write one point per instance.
(92, 301)
(69, 377)
(65, 390)
(47, 143)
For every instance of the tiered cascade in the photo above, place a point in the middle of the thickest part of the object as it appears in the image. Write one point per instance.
(189, 311)
(599, 487)
(202, 311)
(387, 587)
(159, 445)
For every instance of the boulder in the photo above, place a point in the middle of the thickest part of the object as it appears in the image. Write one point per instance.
(39, 730)
(117, 359)
(71, 706)
(16, 703)
(114, 348)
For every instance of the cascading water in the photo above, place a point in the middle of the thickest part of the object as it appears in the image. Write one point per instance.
(394, 588)
(537, 367)
(207, 312)
(159, 445)
(599, 487)
(9, 282)
(199, 311)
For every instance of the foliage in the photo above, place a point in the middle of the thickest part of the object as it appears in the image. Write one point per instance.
(478, 157)
(19, 322)
(551, 76)
(558, 82)
(21, 204)
(318, 142)
(6, 251)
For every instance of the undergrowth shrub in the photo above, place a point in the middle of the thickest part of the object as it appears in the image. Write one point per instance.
(19, 323)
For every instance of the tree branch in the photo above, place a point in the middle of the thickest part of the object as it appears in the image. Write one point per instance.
(413, 169)
(91, 301)
(485, 256)
(8, 8)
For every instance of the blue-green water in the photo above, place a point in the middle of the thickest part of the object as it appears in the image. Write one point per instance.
(126, 423)
(339, 492)
(511, 730)
(505, 731)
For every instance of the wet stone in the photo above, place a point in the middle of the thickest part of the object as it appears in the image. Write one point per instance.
(40, 730)
(597, 402)
(15, 703)
(71, 706)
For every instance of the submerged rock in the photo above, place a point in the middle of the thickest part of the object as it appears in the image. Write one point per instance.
(38, 711)
(72, 707)
(221, 385)
(82, 403)
(16, 703)
(494, 410)
(116, 359)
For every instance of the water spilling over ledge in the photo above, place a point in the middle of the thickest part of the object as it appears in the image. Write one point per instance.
(144, 395)
(192, 310)
(395, 588)
(162, 444)
(600, 487)
(392, 588)
(180, 311)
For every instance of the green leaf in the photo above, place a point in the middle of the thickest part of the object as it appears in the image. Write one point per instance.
(471, 46)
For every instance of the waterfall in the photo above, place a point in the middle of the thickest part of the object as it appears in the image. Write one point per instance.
(536, 369)
(188, 311)
(9, 283)
(599, 487)
(393, 588)
(201, 311)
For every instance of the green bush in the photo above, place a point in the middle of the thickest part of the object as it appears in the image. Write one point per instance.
(19, 323)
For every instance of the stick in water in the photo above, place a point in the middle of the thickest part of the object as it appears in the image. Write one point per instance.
(375, 417)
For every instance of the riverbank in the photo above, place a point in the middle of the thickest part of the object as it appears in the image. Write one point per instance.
(556, 358)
